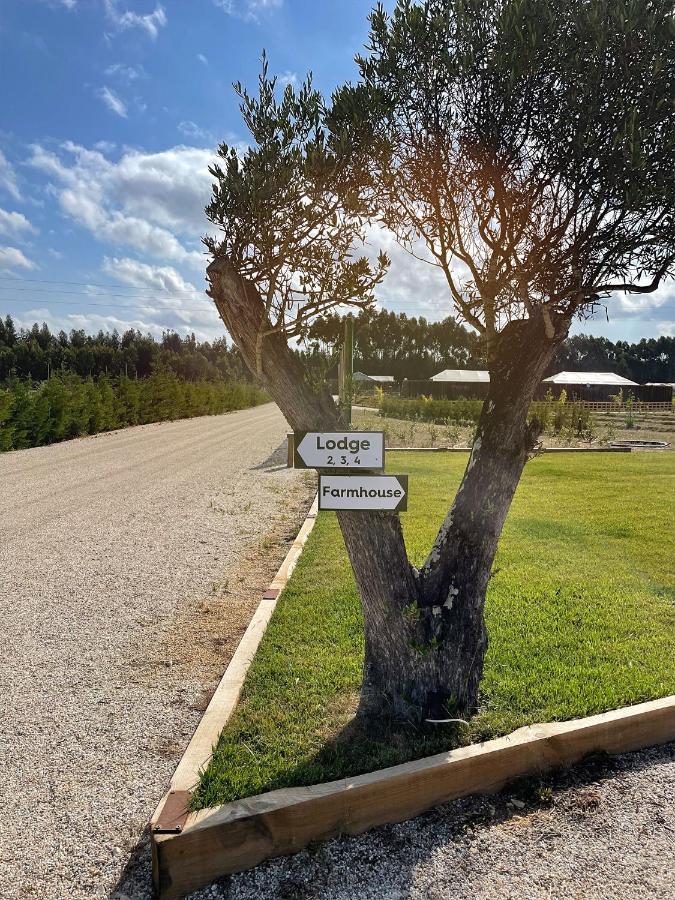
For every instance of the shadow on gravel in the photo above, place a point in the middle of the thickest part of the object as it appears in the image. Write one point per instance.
(275, 461)
(135, 881)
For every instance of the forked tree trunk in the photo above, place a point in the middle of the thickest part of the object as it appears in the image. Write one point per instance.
(424, 630)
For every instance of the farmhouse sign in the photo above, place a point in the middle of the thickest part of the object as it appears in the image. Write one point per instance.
(375, 492)
(339, 450)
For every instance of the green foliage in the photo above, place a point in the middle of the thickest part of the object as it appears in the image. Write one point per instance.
(562, 417)
(287, 217)
(425, 409)
(35, 353)
(555, 416)
(532, 142)
(389, 343)
(579, 610)
(67, 406)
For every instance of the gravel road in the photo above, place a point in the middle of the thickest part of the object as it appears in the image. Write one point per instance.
(122, 595)
(606, 831)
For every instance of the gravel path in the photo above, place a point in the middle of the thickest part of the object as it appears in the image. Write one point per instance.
(606, 832)
(122, 595)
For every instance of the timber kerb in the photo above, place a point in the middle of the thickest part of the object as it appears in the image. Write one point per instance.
(191, 849)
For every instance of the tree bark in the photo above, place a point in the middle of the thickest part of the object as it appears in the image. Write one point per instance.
(425, 636)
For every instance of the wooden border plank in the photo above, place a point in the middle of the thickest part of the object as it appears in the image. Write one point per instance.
(226, 696)
(237, 836)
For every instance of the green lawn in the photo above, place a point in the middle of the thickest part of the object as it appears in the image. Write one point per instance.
(580, 612)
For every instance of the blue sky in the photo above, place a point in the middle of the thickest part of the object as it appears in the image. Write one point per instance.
(110, 113)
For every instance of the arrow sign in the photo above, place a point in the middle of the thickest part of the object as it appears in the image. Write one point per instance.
(382, 492)
(339, 450)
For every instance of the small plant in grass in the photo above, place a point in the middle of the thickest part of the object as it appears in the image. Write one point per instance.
(630, 420)
(432, 434)
(451, 432)
(409, 433)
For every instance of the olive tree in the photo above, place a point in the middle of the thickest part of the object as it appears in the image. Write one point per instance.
(529, 148)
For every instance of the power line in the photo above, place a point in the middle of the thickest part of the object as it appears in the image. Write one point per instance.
(87, 284)
(167, 295)
(37, 291)
(106, 305)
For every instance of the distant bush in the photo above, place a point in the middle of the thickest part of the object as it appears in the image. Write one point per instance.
(425, 409)
(561, 417)
(67, 406)
(555, 416)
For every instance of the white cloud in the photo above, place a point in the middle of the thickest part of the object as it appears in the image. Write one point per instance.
(68, 4)
(666, 329)
(92, 323)
(288, 78)
(12, 258)
(202, 59)
(14, 224)
(147, 201)
(164, 301)
(124, 21)
(191, 130)
(113, 102)
(140, 274)
(8, 180)
(125, 73)
(166, 292)
(629, 304)
(411, 285)
(249, 10)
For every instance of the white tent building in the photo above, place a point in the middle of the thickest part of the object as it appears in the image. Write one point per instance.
(590, 378)
(463, 376)
(596, 387)
(378, 379)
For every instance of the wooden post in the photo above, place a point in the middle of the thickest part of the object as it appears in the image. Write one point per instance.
(347, 370)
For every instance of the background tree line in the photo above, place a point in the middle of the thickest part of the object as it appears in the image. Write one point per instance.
(388, 343)
(36, 353)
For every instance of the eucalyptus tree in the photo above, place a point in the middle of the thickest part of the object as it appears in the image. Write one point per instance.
(527, 147)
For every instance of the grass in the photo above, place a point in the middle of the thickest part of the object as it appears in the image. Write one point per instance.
(580, 613)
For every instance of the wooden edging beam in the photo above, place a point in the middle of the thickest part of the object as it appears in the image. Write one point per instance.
(237, 836)
(172, 811)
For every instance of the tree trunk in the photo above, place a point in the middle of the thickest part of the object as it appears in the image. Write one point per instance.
(455, 576)
(424, 630)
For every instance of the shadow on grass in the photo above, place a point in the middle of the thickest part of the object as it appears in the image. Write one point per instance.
(356, 748)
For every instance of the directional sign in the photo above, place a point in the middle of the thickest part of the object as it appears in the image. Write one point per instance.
(339, 450)
(383, 492)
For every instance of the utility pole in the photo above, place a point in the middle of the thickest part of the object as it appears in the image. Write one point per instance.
(347, 370)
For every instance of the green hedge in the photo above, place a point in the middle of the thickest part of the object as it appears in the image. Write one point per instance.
(68, 406)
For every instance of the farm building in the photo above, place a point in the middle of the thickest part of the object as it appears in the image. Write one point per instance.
(600, 387)
(378, 379)
(386, 382)
(451, 384)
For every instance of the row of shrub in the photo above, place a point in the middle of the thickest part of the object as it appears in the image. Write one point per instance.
(67, 406)
(425, 409)
(555, 416)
